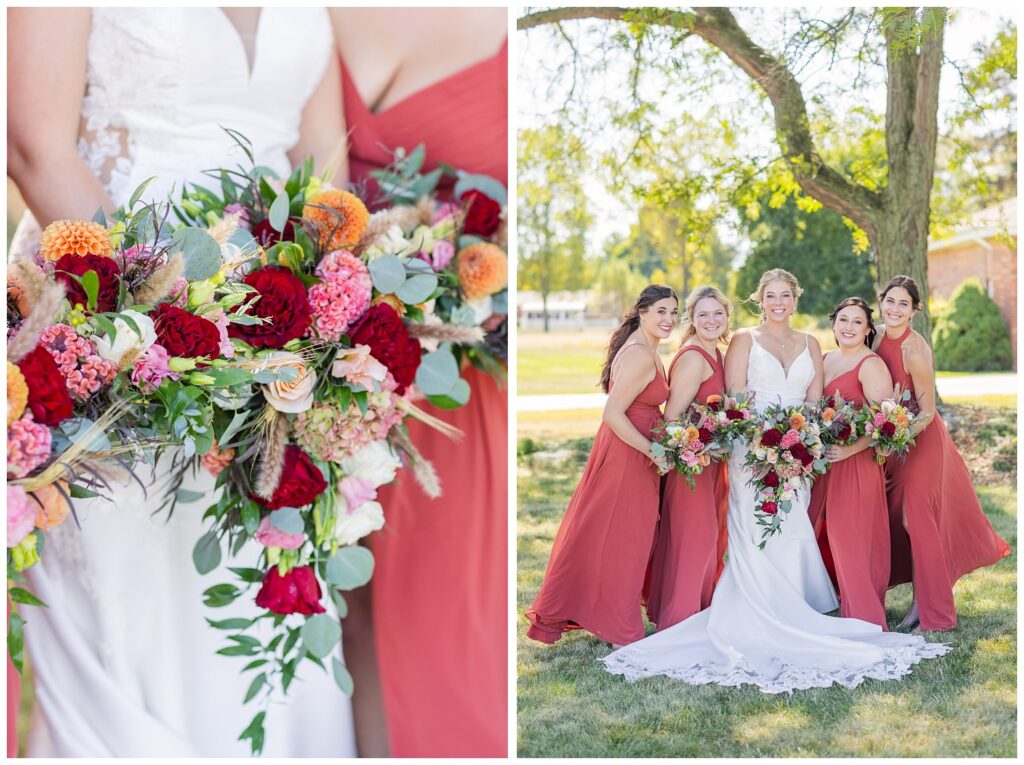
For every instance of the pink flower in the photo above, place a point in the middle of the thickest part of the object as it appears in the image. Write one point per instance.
(21, 517)
(66, 346)
(358, 367)
(879, 419)
(790, 438)
(689, 458)
(94, 373)
(28, 446)
(270, 536)
(342, 297)
(178, 296)
(442, 255)
(243, 214)
(445, 211)
(151, 368)
(227, 350)
(356, 492)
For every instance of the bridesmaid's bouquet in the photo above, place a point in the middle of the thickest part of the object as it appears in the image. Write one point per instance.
(685, 446)
(785, 452)
(889, 423)
(839, 421)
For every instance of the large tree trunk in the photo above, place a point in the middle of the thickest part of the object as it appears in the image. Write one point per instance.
(544, 302)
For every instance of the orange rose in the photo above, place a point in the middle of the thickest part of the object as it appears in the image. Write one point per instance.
(692, 434)
(828, 414)
(901, 419)
(714, 398)
(797, 421)
(51, 506)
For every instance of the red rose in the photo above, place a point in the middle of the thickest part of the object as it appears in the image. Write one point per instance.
(107, 270)
(297, 592)
(800, 452)
(771, 480)
(483, 216)
(283, 301)
(768, 508)
(390, 343)
(888, 429)
(714, 405)
(48, 397)
(184, 334)
(268, 236)
(771, 437)
(844, 433)
(301, 482)
(704, 435)
(733, 414)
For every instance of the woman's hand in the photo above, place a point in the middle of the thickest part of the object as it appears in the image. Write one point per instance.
(838, 453)
(660, 462)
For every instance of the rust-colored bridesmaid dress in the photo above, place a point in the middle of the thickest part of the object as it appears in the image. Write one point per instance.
(947, 534)
(851, 519)
(692, 536)
(440, 592)
(596, 571)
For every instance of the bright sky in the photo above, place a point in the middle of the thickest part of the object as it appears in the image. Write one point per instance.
(604, 72)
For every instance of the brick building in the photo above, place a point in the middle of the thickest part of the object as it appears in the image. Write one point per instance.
(985, 247)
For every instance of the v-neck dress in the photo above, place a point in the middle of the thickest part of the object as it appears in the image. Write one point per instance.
(440, 594)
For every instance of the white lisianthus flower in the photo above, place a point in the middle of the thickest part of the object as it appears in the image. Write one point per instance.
(391, 242)
(295, 395)
(482, 308)
(375, 463)
(423, 238)
(353, 525)
(128, 344)
(788, 496)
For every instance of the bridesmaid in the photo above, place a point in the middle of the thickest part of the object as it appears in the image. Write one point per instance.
(596, 571)
(691, 537)
(937, 527)
(848, 507)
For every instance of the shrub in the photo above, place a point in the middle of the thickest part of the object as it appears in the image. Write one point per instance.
(970, 334)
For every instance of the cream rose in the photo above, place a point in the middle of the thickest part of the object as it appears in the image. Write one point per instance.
(295, 395)
(360, 368)
(128, 344)
(375, 463)
(353, 525)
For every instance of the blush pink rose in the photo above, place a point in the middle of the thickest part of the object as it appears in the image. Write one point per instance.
(360, 368)
(269, 536)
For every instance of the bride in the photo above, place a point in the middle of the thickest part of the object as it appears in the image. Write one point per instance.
(123, 661)
(766, 624)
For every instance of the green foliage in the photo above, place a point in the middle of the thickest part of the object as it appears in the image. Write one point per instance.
(817, 247)
(970, 335)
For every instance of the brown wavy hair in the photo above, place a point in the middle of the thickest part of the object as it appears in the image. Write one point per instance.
(907, 283)
(695, 297)
(650, 295)
(862, 304)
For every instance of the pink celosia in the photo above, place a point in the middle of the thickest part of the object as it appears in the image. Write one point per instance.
(21, 516)
(28, 446)
(790, 438)
(94, 373)
(151, 368)
(356, 491)
(328, 433)
(342, 297)
(269, 535)
(66, 346)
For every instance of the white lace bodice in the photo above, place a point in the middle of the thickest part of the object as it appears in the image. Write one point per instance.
(769, 383)
(162, 83)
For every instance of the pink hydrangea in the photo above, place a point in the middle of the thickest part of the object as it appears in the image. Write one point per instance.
(790, 438)
(94, 373)
(21, 516)
(66, 346)
(151, 368)
(28, 446)
(342, 297)
(269, 535)
(328, 433)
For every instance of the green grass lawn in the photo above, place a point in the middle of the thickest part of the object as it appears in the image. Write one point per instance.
(960, 705)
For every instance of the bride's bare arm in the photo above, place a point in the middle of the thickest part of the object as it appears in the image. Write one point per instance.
(46, 60)
(818, 383)
(322, 132)
(736, 359)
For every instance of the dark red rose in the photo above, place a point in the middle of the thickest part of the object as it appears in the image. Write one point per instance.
(268, 236)
(771, 437)
(800, 452)
(297, 592)
(830, 402)
(733, 414)
(704, 435)
(483, 216)
(844, 433)
(714, 405)
(301, 482)
(107, 271)
(184, 334)
(768, 508)
(771, 480)
(390, 343)
(283, 301)
(888, 429)
(48, 397)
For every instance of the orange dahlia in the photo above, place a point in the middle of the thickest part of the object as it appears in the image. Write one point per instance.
(17, 393)
(483, 269)
(392, 300)
(51, 505)
(74, 237)
(343, 223)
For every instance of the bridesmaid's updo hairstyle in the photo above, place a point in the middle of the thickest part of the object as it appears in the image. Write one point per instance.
(630, 323)
(774, 275)
(907, 283)
(862, 304)
(695, 297)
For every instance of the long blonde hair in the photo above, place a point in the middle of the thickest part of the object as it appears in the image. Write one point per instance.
(698, 294)
(774, 275)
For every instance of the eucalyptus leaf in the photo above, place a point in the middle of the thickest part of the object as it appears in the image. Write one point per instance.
(342, 676)
(484, 184)
(320, 634)
(78, 429)
(417, 288)
(288, 520)
(250, 517)
(278, 215)
(201, 253)
(387, 273)
(206, 554)
(187, 495)
(437, 372)
(499, 302)
(350, 567)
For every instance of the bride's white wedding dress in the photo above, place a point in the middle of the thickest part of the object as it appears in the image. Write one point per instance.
(123, 661)
(766, 624)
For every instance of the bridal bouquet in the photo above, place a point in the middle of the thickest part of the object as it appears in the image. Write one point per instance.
(889, 423)
(785, 452)
(108, 362)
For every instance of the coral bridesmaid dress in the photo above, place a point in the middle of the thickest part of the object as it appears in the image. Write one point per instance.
(851, 519)
(692, 531)
(946, 534)
(440, 592)
(596, 571)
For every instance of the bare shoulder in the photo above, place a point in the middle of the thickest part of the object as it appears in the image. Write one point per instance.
(812, 342)
(879, 334)
(874, 365)
(741, 338)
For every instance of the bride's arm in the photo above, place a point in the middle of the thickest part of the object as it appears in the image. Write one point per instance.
(46, 60)
(322, 132)
(818, 383)
(736, 361)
